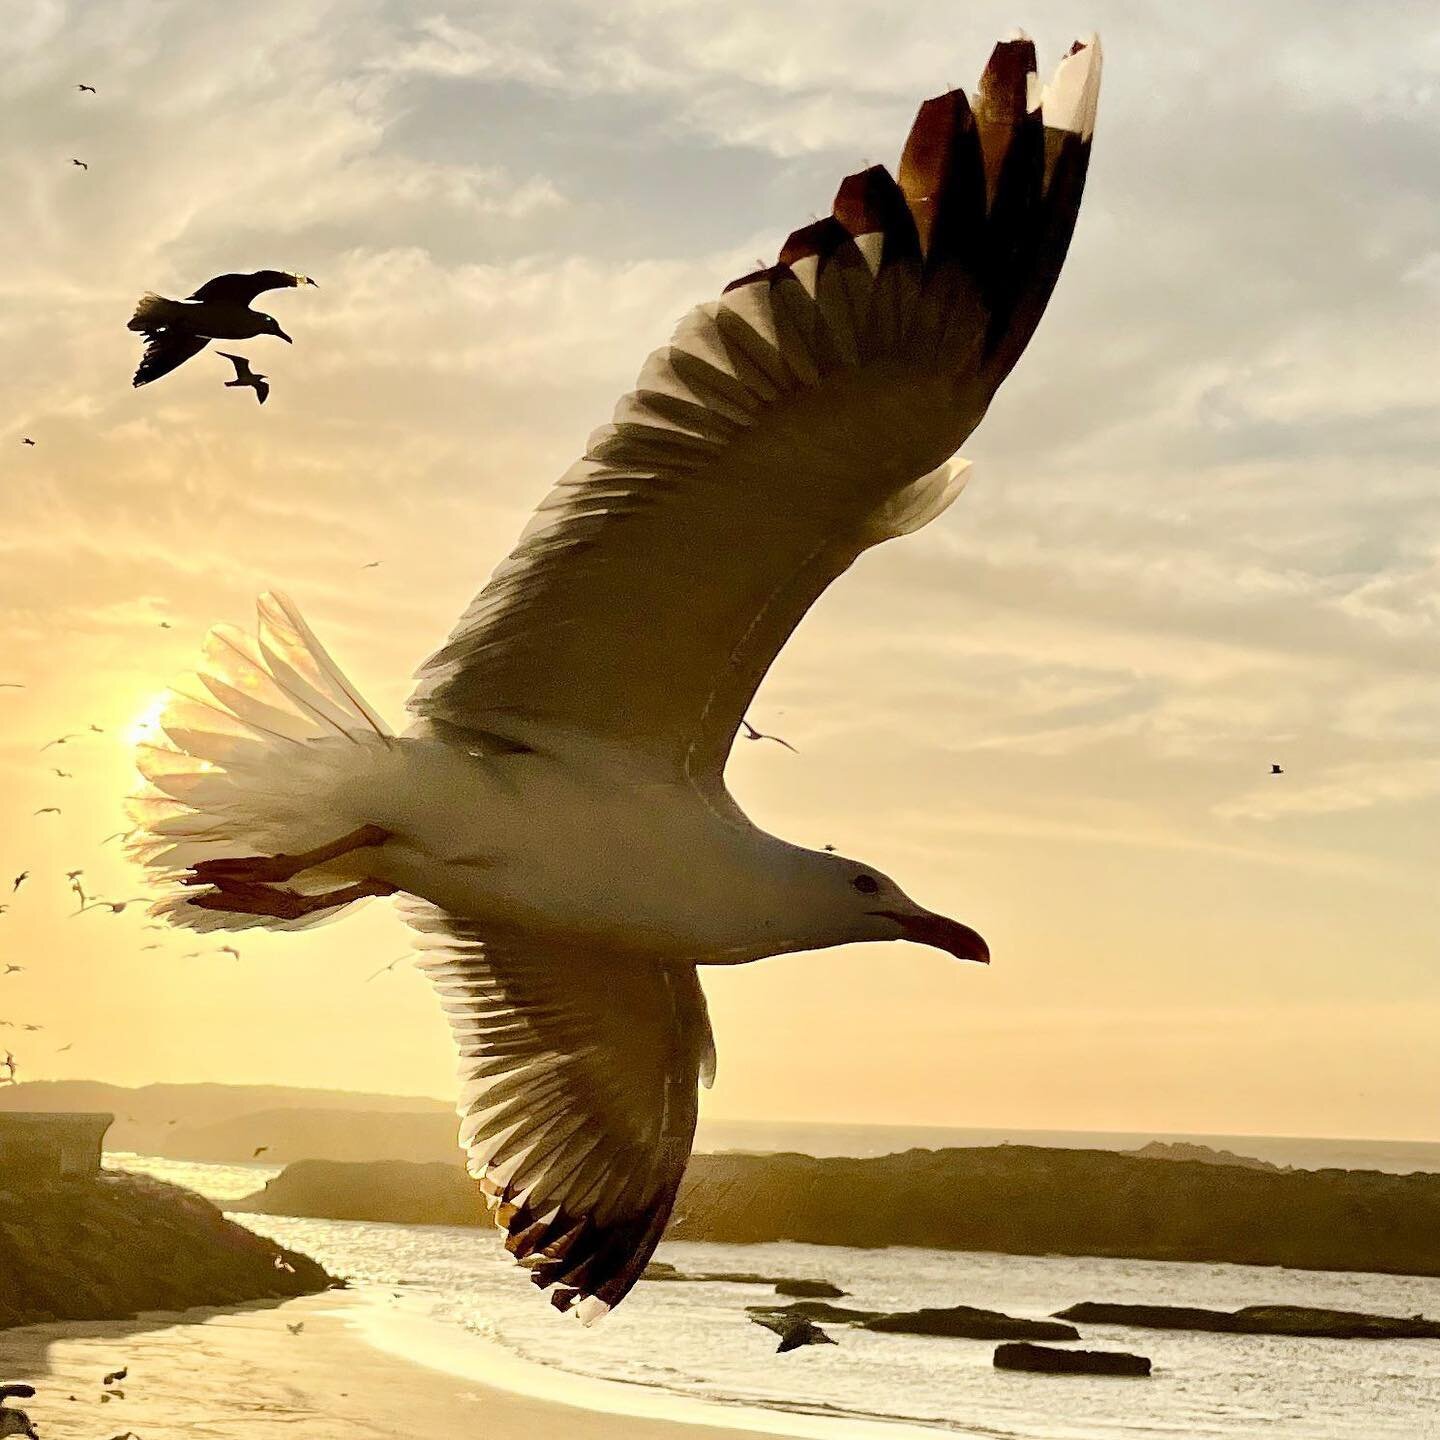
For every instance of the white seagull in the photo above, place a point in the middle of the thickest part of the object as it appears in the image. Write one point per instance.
(556, 817)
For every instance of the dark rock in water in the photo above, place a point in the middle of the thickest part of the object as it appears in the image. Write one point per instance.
(1200, 1154)
(1045, 1361)
(1299, 1320)
(964, 1322)
(394, 1190)
(110, 1245)
(659, 1270)
(808, 1289)
(818, 1310)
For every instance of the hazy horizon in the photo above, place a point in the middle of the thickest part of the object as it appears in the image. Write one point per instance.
(1203, 533)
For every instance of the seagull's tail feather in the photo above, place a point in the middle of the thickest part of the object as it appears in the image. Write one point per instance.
(153, 312)
(267, 749)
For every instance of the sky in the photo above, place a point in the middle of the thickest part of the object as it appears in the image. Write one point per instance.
(1202, 533)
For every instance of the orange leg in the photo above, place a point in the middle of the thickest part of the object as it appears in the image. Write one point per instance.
(267, 869)
(247, 898)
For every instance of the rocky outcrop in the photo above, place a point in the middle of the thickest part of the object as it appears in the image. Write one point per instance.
(808, 1289)
(108, 1247)
(1015, 1199)
(1306, 1320)
(1042, 1360)
(1201, 1154)
(964, 1322)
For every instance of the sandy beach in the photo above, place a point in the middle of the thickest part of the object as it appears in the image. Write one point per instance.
(241, 1372)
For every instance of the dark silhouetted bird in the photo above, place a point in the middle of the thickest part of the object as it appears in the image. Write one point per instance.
(86, 89)
(244, 376)
(1276, 770)
(296, 1328)
(61, 774)
(11, 685)
(258, 1151)
(80, 163)
(751, 733)
(13, 969)
(174, 330)
(27, 441)
(48, 810)
(60, 740)
(19, 880)
(793, 1330)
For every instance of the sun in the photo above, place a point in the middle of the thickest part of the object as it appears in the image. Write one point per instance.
(145, 727)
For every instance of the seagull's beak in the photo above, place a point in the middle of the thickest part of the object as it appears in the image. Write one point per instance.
(941, 933)
(283, 336)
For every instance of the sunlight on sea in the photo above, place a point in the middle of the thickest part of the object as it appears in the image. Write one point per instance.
(694, 1339)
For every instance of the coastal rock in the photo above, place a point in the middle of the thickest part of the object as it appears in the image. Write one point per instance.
(393, 1190)
(1043, 1360)
(818, 1310)
(1200, 1154)
(108, 1247)
(1299, 1320)
(808, 1289)
(964, 1322)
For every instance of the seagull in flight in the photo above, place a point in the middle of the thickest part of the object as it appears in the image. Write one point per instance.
(27, 441)
(220, 309)
(555, 819)
(1275, 769)
(61, 740)
(48, 810)
(244, 376)
(793, 1330)
(751, 733)
(86, 89)
(80, 163)
(19, 880)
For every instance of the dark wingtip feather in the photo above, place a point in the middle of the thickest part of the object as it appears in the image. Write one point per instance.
(871, 203)
(941, 172)
(821, 238)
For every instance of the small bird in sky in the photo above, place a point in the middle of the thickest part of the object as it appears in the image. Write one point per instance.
(258, 1151)
(80, 163)
(13, 969)
(27, 441)
(751, 733)
(166, 625)
(11, 685)
(61, 740)
(296, 1328)
(115, 907)
(48, 810)
(372, 565)
(68, 1046)
(384, 968)
(62, 774)
(228, 950)
(155, 946)
(244, 376)
(793, 1330)
(19, 880)
(118, 835)
(1275, 769)
(32, 1028)
(96, 729)
(220, 309)
(87, 89)
(9, 1063)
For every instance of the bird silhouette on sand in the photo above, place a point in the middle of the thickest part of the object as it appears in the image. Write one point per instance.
(245, 376)
(220, 309)
(793, 1330)
(556, 818)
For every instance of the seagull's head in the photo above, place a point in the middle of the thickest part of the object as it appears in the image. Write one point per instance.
(272, 327)
(854, 902)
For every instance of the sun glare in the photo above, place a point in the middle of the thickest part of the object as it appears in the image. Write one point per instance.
(145, 727)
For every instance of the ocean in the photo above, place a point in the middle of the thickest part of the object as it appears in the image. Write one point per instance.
(448, 1295)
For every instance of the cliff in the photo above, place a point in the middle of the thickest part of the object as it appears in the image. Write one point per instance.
(108, 1247)
(1014, 1199)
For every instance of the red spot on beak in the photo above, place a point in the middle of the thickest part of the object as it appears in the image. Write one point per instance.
(940, 933)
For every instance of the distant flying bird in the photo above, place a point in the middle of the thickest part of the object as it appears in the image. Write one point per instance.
(61, 740)
(19, 880)
(751, 733)
(48, 810)
(372, 565)
(115, 907)
(793, 1330)
(228, 950)
(384, 968)
(244, 376)
(118, 835)
(80, 163)
(175, 330)
(32, 1028)
(96, 729)
(64, 1048)
(87, 88)
(1276, 770)
(62, 774)
(13, 969)
(165, 625)
(259, 1150)
(27, 441)
(9, 1063)
(562, 829)
(11, 685)
(296, 1328)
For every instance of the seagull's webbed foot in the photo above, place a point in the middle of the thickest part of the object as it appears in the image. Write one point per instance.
(245, 898)
(271, 869)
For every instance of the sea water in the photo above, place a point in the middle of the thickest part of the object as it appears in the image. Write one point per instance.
(694, 1341)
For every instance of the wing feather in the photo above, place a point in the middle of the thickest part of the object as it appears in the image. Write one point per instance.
(578, 1098)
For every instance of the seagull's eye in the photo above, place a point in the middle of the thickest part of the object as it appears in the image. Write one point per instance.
(866, 884)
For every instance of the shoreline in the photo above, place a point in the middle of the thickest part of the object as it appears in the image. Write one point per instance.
(356, 1366)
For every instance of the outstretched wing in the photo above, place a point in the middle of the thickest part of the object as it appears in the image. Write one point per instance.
(809, 414)
(237, 289)
(262, 389)
(164, 350)
(579, 1098)
(241, 364)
